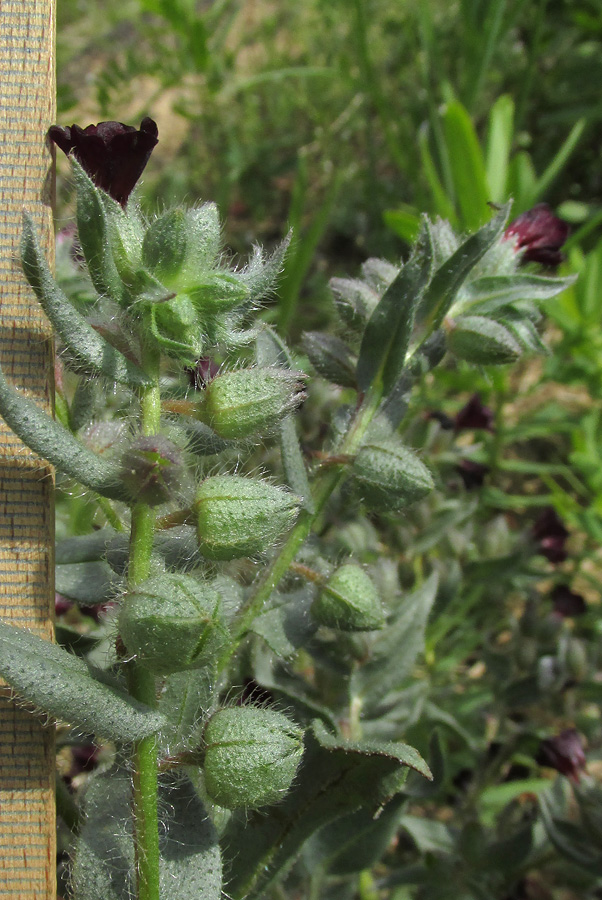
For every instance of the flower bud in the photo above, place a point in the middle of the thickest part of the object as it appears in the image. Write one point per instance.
(331, 358)
(173, 622)
(164, 246)
(482, 341)
(152, 469)
(238, 404)
(251, 756)
(219, 292)
(177, 328)
(349, 601)
(238, 516)
(389, 476)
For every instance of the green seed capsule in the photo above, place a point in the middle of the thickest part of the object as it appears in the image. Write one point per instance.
(482, 341)
(239, 516)
(238, 404)
(349, 601)
(251, 756)
(390, 477)
(173, 623)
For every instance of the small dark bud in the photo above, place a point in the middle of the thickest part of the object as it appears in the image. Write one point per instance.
(550, 536)
(567, 604)
(564, 753)
(152, 469)
(113, 154)
(539, 235)
(203, 371)
(474, 415)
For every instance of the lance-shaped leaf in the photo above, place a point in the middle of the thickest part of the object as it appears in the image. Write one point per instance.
(355, 842)
(51, 441)
(64, 686)
(88, 583)
(95, 239)
(485, 295)
(396, 647)
(272, 351)
(448, 279)
(90, 353)
(335, 778)
(83, 547)
(104, 864)
(387, 335)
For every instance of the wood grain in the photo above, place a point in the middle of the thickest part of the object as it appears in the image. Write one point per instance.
(27, 108)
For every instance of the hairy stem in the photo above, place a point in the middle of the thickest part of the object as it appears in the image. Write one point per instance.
(141, 682)
(326, 481)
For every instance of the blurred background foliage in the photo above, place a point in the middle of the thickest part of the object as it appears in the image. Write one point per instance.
(345, 120)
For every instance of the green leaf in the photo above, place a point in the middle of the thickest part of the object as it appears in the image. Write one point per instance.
(467, 165)
(94, 238)
(396, 648)
(88, 351)
(569, 839)
(357, 841)
(62, 685)
(104, 864)
(448, 279)
(87, 583)
(286, 624)
(484, 295)
(83, 548)
(499, 144)
(51, 441)
(405, 222)
(272, 351)
(185, 699)
(387, 335)
(335, 778)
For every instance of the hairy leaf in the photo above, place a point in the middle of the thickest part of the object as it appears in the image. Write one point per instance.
(89, 352)
(387, 335)
(448, 279)
(64, 686)
(104, 865)
(335, 778)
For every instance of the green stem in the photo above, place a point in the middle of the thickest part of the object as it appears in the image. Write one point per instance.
(326, 481)
(141, 682)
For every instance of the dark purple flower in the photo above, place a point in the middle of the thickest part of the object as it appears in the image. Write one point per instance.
(474, 415)
(202, 372)
(472, 473)
(113, 154)
(85, 759)
(540, 235)
(61, 604)
(550, 536)
(567, 603)
(564, 753)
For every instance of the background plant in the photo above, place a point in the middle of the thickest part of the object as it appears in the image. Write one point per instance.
(332, 120)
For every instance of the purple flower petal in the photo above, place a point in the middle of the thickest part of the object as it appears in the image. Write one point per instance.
(113, 154)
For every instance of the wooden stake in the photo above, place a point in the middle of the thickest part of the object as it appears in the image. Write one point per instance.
(27, 108)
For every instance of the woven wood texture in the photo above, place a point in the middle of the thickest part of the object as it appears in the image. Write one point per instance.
(27, 91)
